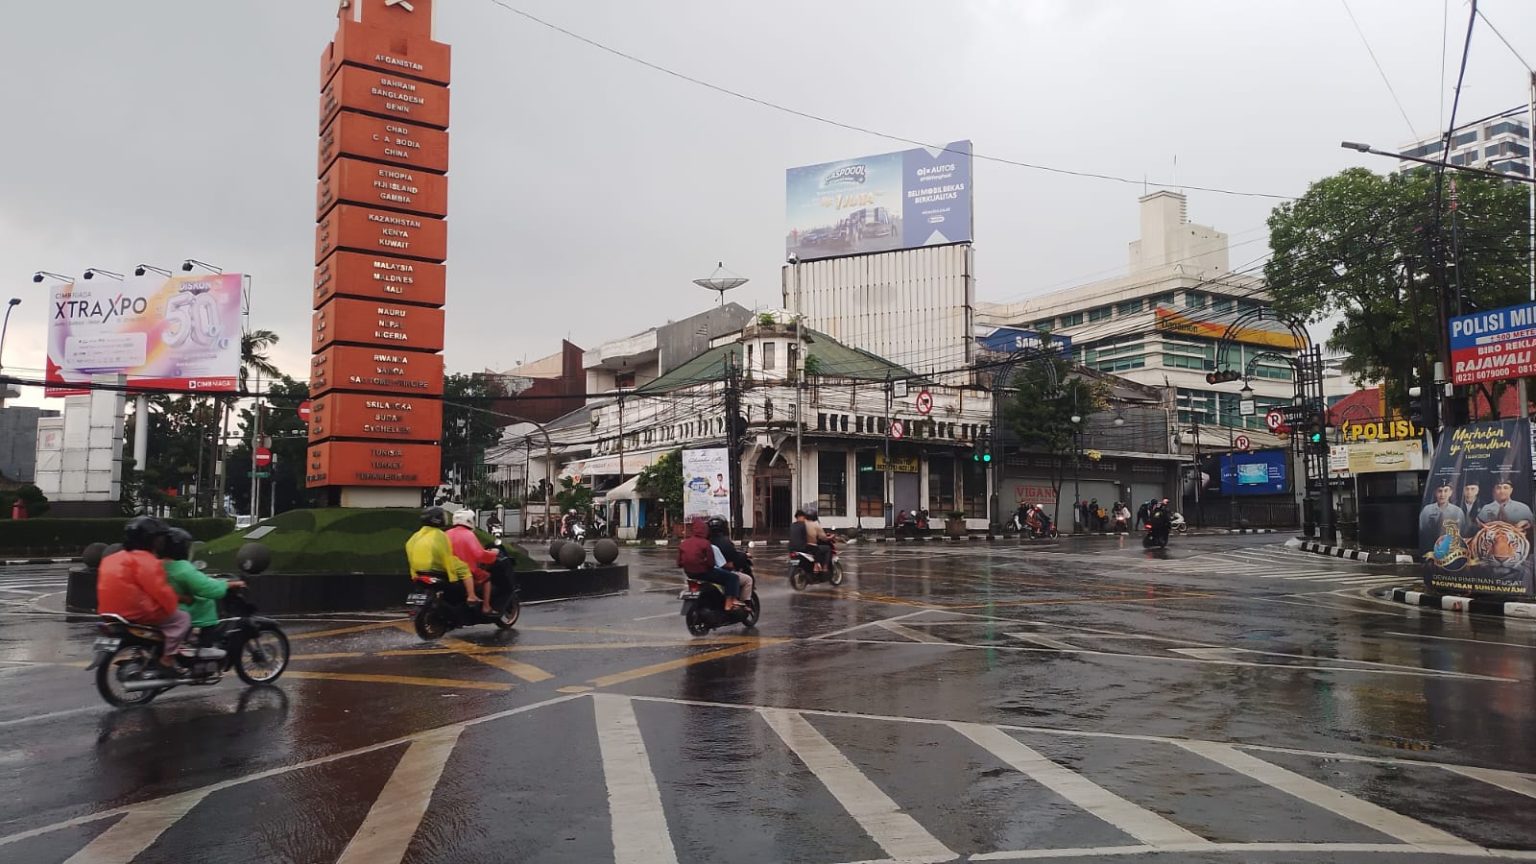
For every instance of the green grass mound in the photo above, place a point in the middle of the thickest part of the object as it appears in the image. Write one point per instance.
(333, 540)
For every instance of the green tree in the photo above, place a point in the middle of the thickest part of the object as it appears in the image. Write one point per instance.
(1357, 246)
(662, 481)
(574, 496)
(180, 439)
(290, 440)
(1040, 413)
(470, 426)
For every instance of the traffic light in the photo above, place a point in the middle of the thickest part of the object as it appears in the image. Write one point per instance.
(982, 452)
(1222, 377)
(1423, 411)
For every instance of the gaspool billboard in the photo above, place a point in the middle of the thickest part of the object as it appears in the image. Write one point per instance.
(897, 200)
(1475, 525)
(177, 332)
(706, 483)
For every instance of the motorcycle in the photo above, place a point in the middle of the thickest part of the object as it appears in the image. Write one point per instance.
(1152, 537)
(1178, 523)
(254, 646)
(802, 570)
(576, 532)
(435, 615)
(914, 524)
(704, 608)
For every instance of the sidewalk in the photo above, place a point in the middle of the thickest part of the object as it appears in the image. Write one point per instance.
(1350, 553)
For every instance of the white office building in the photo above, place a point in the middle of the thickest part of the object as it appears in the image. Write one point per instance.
(1499, 143)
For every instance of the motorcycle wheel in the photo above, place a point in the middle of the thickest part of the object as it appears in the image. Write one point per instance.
(262, 658)
(111, 674)
(430, 624)
(1147, 541)
(695, 622)
(797, 578)
(508, 619)
(756, 608)
(837, 573)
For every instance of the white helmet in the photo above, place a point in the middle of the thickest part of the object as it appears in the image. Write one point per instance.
(464, 517)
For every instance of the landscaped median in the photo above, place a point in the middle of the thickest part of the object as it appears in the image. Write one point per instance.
(346, 559)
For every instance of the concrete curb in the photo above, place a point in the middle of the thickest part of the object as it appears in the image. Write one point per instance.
(21, 562)
(1349, 554)
(1453, 603)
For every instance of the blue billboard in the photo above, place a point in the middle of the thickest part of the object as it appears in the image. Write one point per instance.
(1009, 339)
(899, 200)
(1262, 472)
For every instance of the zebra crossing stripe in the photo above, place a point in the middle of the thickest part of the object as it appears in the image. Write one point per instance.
(882, 819)
(391, 822)
(640, 834)
(1144, 825)
(135, 832)
(1392, 824)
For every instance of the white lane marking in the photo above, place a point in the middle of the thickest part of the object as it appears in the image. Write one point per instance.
(49, 716)
(639, 823)
(1330, 607)
(1138, 822)
(1377, 818)
(1043, 641)
(901, 617)
(910, 634)
(881, 818)
(1518, 783)
(654, 617)
(144, 823)
(1367, 667)
(1243, 849)
(284, 769)
(391, 822)
(1468, 641)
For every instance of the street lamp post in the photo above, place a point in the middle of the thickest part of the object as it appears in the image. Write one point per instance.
(1077, 473)
(5, 389)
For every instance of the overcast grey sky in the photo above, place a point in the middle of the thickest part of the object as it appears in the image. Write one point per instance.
(587, 191)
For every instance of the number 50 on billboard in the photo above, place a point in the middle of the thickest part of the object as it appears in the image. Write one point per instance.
(178, 332)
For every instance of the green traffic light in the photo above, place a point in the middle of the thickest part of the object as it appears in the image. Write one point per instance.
(986, 457)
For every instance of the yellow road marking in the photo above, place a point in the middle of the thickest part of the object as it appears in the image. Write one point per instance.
(574, 688)
(668, 666)
(334, 655)
(341, 631)
(567, 646)
(448, 683)
(531, 674)
(599, 631)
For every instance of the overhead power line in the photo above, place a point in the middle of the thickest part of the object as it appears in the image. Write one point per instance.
(1506, 42)
(1390, 89)
(852, 127)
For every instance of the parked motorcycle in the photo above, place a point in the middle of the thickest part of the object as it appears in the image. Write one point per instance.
(254, 646)
(914, 524)
(704, 608)
(802, 570)
(1178, 523)
(435, 615)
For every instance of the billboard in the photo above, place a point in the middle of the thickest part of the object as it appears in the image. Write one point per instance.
(1010, 339)
(899, 200)
(1494, 345)
(177, 332)
(707, 483)
(1262, 472)
(1475, 526)
(1201, 323)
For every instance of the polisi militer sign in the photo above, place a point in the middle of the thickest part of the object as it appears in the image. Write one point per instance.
(1494, 345)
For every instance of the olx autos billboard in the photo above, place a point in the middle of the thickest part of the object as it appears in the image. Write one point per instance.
(176, 332)
(897, 200)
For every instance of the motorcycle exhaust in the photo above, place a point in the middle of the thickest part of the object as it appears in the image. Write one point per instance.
(150, 684)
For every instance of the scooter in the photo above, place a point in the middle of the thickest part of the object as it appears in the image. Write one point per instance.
(576, 533)
(802, 570)
(704, 608)
(1152, 537)
(436, 615)
(1178, 523)
(254, 646)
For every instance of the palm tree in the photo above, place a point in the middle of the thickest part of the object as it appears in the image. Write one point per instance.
(254, 346)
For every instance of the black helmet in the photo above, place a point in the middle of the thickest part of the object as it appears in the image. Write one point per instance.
(437, 517)
(717, 525)
(178, 545)
(142, 531)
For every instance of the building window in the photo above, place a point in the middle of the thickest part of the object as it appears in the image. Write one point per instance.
(973, 481)
(871, 486)
(1464, 138)
(1100, 313)
(1072, 320)
(750, 346)
(1164, 299)
(832, 483)
(941, 484)
(1221, 304)
(769, 360)
(623, 380)
(1194, 300)
(1129, 307)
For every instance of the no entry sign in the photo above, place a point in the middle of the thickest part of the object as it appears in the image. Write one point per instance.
(263, 457)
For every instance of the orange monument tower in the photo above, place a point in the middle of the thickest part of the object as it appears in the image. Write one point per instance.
(376, 380)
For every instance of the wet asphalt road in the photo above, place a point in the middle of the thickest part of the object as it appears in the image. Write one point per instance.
(1228, 700)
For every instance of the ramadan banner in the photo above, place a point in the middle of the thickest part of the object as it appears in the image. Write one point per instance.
(707, 483)
(1475, 526)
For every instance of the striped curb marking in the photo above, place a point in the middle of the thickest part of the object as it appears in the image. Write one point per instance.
(1452, 603)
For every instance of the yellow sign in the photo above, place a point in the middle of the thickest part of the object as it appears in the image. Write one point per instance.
(1381, 430)
(1378, 456)
(1268, 333)
(899, 464)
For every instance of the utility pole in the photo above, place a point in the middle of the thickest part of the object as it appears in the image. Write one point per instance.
(1199, 504)
(889, 510)
(256, 442)
(734, 424)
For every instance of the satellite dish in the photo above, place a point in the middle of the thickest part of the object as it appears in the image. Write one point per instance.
(721, 281)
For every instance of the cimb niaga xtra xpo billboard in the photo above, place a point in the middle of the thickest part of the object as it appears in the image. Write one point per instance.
(177, 332)
(878, 203)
